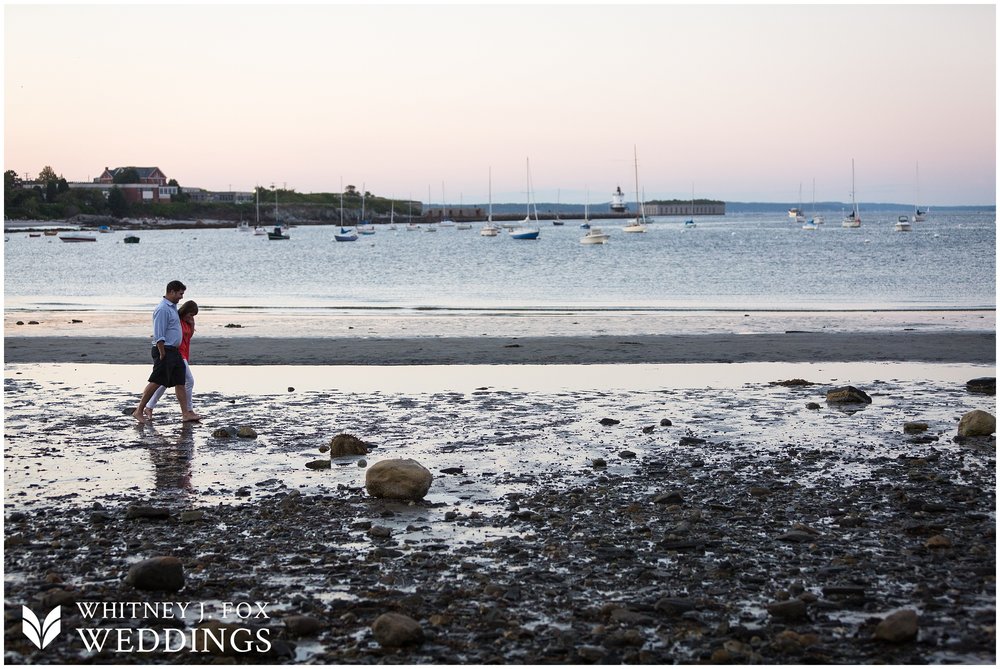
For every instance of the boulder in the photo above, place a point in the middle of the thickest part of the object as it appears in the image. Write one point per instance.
(986, 385)
(157, 573)
(915, 427)
(395, 629)
(347, 444)
(977, 423)
(847, 395)
(898, 627)
(246, 432)
(402, 479)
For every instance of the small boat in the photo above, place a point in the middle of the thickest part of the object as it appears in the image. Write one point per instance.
(903, 224)
(259, 231)
(852, 220)
(431, 228)
(131, 239)
(558, 221)
(278, 233)
(795, 212)
(243, 227)
(594, 236)
(50, 233)
(346, 235)
(490, 229)
(34, 234)
(412, 227)
(637, 224)
(104, 228)
(463, 226)
(586, 213)
(690, 223)
(525, 230)
(365, 229)
(78, 237)
(810, 224)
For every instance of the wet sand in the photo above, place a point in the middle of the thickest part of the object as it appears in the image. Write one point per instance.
(940, 347)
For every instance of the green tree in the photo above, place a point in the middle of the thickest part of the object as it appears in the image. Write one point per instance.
(47, 175)
(117, 203)
(129, 175)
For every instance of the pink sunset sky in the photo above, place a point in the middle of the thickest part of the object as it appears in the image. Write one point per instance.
(735, 102)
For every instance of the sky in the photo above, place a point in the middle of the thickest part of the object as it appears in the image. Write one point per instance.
(731, 102)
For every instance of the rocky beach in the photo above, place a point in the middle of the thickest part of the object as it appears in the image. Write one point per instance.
(576, 514)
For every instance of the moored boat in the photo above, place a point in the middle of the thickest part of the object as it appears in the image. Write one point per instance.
(78, 237)
(131, 239)
(903, 224)
(595, 236)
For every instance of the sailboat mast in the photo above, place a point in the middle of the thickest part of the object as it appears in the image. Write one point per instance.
(489, 218)
(341, 202)
(638, 204)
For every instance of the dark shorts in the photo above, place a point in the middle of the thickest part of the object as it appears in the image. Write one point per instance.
(169, 371)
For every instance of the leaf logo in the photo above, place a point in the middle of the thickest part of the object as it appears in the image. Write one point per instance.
(40, 634)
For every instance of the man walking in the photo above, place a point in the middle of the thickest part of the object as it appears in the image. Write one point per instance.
(168, 365)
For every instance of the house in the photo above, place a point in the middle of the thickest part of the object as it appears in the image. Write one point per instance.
(147, 175)
(151, 187)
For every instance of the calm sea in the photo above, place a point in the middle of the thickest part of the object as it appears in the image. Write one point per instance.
(741, 261)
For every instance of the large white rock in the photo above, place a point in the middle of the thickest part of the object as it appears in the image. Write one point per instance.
(401, 479)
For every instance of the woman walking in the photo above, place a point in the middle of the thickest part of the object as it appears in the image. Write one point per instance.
(187, 312)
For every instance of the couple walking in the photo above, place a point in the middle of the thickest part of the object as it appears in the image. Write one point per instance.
(172, 331)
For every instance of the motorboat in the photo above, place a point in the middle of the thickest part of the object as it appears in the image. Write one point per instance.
(77, 237)
(903, 224)
(489, 230)
(278, 233)
(366, 229)
(131, 239)
(346, 235)
(595, 236)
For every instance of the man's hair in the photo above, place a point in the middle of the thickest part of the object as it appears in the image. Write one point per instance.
(174, 286)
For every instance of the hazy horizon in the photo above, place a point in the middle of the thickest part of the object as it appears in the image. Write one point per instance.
(738, 103)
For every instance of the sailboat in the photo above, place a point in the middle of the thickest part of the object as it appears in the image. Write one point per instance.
(522, 232)
(258, 230)
(558, 220)
(638, 224)
(918, 216)
(279, 230)
(852, 220)
(490, 230)
(799, 216)
(690, 222)
(816, 220)
(586, 214)
(364, 226)
(345, 234)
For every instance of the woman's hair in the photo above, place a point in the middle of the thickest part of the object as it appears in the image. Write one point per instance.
(188, 308)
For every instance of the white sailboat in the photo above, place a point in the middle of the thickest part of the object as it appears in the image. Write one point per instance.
(638, 224)
(526, 230)
(490, 230)
(689, 223)
(816, 220)
(586, 213)
(852, 220)
(799, 216)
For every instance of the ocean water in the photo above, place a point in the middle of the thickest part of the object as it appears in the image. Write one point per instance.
(738, 262)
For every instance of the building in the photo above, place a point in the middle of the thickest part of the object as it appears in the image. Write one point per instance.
(685, 208)
(152, 185)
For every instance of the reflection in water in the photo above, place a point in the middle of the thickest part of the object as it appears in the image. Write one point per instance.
(171, 459)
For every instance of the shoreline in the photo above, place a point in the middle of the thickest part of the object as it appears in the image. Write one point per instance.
(937, 346)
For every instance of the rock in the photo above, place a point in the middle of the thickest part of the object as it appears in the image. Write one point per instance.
(151, 512)
(453, 470)
(812, 406)
(915, 427)
(670, 497)
(791, 383)
(938, 541)
(157, 573)
(221, 433)
(977, 423)
(245, 432)
(648, 429)
(793, 609)
(297, 626)
(394, 629)
(987, 385)
(192, 515)
(898, 627)
(627, 455)
(692, 441)
(402, 479)
(347, 444)
(607, 422)
(665, 422)
(847, 395)
(318, 464)
(598, 463)
(380, 532)
(291, 389)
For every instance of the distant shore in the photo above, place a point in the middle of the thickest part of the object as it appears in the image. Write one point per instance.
(978, 347)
